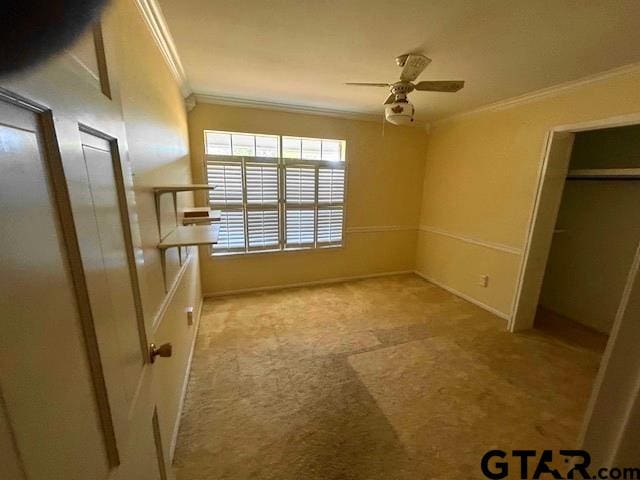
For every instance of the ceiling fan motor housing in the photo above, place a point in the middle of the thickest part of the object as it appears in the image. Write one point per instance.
(400, 113)
(398, 110)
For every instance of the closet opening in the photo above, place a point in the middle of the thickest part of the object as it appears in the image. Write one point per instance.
(579, 278)
(594, 241)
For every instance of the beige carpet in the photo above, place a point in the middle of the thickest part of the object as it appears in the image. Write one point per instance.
(389, 378)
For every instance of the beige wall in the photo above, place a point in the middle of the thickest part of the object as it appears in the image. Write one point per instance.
(480, 180)
(384, 175)
(156, 127)
(597, 234)
(607, 148)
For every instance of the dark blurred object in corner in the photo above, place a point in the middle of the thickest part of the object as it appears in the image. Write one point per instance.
(33, 30)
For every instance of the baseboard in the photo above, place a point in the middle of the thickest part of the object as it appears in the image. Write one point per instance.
(306, 284)
(185, 384)
(464, 296)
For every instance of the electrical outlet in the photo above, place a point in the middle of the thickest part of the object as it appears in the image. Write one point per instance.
(483, 281)
(189, 316)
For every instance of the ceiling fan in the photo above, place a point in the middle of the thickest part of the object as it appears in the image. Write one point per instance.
(399, 110)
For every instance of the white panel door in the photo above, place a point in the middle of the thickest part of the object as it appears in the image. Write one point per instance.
(76, 383)
(51, 415)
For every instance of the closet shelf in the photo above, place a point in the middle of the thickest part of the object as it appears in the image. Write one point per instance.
(191, 236)
(604, 174)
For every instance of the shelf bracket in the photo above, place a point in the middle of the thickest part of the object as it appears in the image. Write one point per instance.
(175, 205)
(163, 264)
(156, 197)
(182, 256)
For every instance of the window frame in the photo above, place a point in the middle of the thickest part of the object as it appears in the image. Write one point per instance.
(281, 162)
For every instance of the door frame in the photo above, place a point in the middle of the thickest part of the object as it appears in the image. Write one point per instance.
(613, 405)
(518, 319)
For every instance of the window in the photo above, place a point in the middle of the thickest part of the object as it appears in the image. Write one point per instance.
(272, 201)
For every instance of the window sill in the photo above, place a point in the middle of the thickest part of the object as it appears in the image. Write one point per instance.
(235, 255)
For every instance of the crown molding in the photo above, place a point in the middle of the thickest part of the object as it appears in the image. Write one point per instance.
(153, 17)
(286, 107)
(542, 93)
(291, 108)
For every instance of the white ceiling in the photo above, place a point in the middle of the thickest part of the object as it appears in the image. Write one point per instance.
(301, 52)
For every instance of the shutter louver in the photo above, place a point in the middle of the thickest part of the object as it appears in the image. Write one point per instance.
(330, 225)
(263, 229)
(262, 183)
(300, 185)
(300, 227)
(227, 197)
(262, 205)
(330, 186)
(231, 236)
(227, 177)
(330, 205)
(300, 199)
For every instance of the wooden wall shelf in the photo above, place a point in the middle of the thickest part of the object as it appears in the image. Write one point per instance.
(182, 188)
(207, 216)
(173, 190)
(191, 236)
(197, 231)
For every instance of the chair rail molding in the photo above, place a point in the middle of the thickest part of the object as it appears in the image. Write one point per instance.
(475, 241)
(380, 228)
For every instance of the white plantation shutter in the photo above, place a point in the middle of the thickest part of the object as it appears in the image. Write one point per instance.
(231, 236)
(274, 201)
(227, 197)
(300, 201)
(263, 227)
(330, 221)
(263, 218)
(227, 177)
(330, 205)
(300, 227)
(262, 183)
(300, 187)
(331, 186)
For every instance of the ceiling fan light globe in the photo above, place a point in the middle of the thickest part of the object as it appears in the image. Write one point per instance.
(400, 113)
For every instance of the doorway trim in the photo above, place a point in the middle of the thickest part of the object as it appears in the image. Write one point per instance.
(518, 320)
(610, 411)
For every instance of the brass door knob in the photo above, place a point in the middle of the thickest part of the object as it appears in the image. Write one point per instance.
(164, 350)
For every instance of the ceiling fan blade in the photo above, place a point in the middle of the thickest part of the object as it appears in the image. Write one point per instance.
(390, 99)
(413, 67)
(364, 84)
(440, 86)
